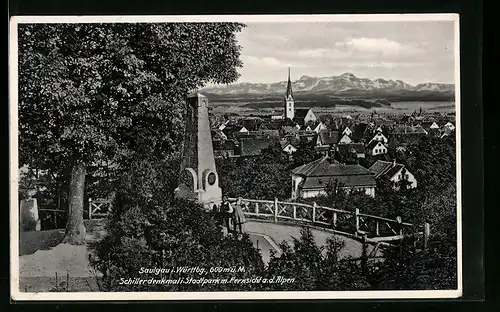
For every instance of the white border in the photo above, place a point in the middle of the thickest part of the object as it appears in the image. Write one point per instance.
(135, 296)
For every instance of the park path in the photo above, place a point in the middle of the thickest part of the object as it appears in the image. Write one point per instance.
(280, 232)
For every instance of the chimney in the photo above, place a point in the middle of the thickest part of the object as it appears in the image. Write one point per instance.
(331, 155)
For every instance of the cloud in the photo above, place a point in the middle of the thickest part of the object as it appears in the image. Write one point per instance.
(381, 46)
(410, 51)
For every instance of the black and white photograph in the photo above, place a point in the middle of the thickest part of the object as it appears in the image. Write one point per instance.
(235, 157)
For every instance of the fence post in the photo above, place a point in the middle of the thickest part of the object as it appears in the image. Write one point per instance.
(377, 230)
(90, 208)
(257, 208)
(314, 212)
(356, 215)
(275, 209)
(294, 212)
(364, 255)
(427, 232)
(334, 219)
(398, 218)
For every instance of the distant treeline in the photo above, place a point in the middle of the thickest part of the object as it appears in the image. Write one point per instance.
(327, 97)
(330, 103)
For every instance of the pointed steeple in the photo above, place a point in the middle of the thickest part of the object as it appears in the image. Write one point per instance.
(289, 92)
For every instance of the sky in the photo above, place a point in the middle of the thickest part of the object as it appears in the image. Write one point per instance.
(415, 52)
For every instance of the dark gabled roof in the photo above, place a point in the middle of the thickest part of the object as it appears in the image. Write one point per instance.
(289, 129)
(301, 113)
(322, 167)
(384, 122)
(380, 167)
(403, 129)
(329, 137)
(284, 143)
(231, 129)
(403, 139)
(385, 168)
(372, 145)
(393, 170)
(287, 122)
(253, 147)
(223, 145)
(217, 134)
(270, 126)
(266, 133)
(320, 171)
(359, 148)
(319, 183)
(360, 130)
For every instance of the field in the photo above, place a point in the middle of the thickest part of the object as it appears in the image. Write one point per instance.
(407, 107)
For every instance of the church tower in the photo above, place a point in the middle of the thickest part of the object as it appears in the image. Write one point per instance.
(289, 100)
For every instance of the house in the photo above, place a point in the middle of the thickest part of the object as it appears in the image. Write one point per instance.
(230, 130)
(318, 126)
(307, 136)
(379, 137)
(218, 135)
(429, 125)
(393, 172)
(345, 139)
(265, 133)
(400, 142)
(305, 128)
(223, 125)
(376, 148)
(277, 117)
(310, 180)
(253, 147)
(303, 116)
(404, 129)
(407, 119)
(354, 148)
(347, 131)
(287, 147)
(223, 149)
(273, 125)
(328, 138)
(288, 130)
(361, 132)
(450, 126)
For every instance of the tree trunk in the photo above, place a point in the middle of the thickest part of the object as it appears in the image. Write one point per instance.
(75, 230)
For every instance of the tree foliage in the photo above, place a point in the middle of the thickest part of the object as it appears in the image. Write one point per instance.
(104, 94)
(315, 268)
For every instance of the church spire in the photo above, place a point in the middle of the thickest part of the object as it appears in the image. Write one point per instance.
(289, 92)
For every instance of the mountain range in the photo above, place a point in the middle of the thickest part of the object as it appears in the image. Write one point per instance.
(344, 84)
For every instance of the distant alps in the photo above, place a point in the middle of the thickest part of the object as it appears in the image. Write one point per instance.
(346, 83)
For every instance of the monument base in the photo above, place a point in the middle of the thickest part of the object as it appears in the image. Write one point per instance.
(206, 198)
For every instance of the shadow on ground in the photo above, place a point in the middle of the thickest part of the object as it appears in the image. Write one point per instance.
(30, 242)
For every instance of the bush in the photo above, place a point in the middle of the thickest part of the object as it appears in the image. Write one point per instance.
(315, 268)
(150, 229)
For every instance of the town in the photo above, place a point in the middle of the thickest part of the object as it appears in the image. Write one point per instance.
(344, 142)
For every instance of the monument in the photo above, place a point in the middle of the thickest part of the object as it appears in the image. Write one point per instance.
(29, 218)
(198, 179)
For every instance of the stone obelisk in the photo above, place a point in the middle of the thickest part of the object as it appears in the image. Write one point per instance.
(198, 178)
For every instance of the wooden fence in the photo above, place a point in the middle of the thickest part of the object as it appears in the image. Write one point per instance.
(55, 217)
(99, 208)
(377, 229)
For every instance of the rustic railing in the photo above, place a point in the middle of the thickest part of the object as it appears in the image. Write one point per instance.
(52, 216)
(377, 229)
(99, 208)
